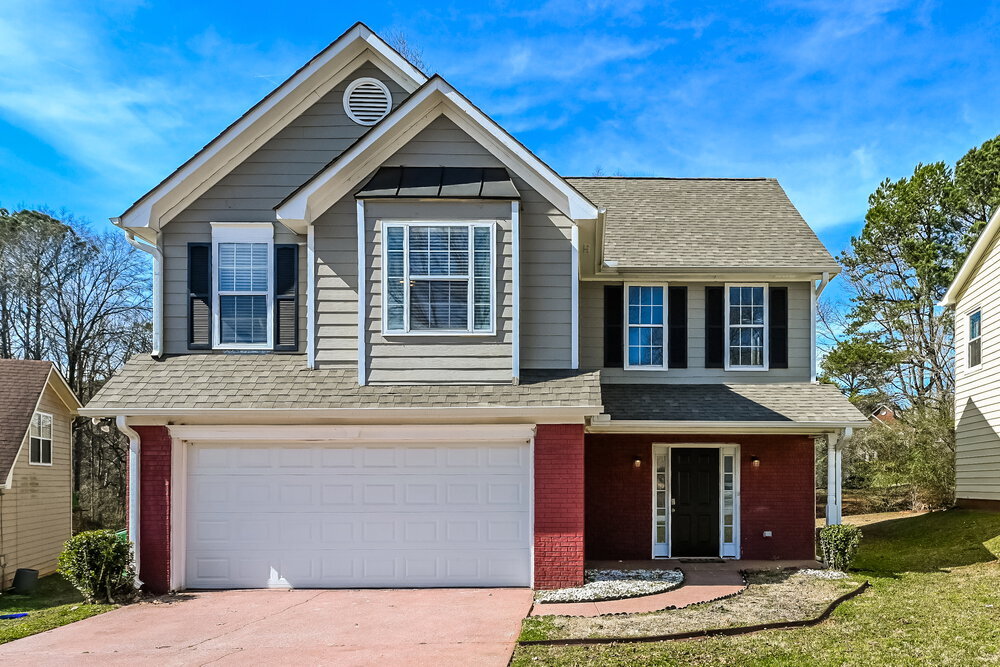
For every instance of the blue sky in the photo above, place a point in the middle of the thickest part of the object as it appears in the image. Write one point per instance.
(101, 100)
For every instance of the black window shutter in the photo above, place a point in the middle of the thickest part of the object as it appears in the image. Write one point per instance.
(199, 296)
(715, 326)
(286, 297)
(777, 329)
(677, 326)
(614, 333)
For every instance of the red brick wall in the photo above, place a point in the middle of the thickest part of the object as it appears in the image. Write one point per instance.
(619, 497)
(154, 509)
(559, 505)
(777, 496)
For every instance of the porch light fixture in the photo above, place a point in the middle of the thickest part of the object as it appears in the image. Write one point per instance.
(754, 461)
(637, 463)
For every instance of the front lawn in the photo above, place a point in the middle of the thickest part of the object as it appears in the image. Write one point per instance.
(935, 600)
(54, 603)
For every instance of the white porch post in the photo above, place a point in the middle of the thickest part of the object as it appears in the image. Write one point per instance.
(835, 476)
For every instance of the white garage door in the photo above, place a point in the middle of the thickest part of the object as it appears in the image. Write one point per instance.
(327, 516)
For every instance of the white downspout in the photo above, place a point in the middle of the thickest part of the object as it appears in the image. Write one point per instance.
(157, 255)
(814, 294)
(121, 421)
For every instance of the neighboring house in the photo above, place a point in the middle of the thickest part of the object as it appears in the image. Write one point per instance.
(885, 414)
(975, 297)
(394, 348)
(36, 472)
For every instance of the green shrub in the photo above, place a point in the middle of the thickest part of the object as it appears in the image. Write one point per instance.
(99, 564)
(839, 545)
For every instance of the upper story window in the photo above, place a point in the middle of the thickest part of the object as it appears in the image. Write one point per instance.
(645, 321)
(40, 439)
(975, 347)
(438, 278)
(243, 257)
(746, 327)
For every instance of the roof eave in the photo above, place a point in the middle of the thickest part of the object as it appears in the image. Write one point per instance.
(681, 427)
(968, 268)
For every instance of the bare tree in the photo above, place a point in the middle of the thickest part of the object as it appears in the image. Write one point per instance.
(398, 40)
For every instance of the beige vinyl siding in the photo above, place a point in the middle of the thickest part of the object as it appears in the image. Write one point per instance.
(799, 341)
(977, 390)
(37, 510)
(251, 191)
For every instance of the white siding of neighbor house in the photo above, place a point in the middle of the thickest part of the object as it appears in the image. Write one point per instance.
(799, 341)
(545, 273)
(251, 191)
(977, 390)
(37, 510)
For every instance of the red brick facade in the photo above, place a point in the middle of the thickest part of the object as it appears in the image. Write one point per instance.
(559, 505)
(776, 496)
(154, 509)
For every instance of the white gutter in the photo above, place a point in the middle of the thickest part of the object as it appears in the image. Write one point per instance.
(598, 425)
(134, 480)
(157, 254)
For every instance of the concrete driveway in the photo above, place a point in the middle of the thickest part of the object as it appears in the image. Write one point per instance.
(280, 627)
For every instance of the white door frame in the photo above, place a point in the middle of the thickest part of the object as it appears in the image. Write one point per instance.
(725, 449)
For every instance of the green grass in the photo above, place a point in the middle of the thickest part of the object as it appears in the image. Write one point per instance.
(54, 603)
(935, 600)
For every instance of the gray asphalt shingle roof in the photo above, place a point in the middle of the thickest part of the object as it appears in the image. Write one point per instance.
(274, 381)
(802, 402)
(703, 223)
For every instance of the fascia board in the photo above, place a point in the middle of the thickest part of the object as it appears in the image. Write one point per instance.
(971, 263)
(721, 427)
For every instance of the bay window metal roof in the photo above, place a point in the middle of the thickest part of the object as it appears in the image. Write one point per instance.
(439, 183)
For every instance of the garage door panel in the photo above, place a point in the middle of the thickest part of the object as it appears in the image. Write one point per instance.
(433, 514)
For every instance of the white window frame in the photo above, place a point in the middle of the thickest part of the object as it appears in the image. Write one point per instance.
(470, 277)
(625, 328)
(242, 232)
(52, 426)
(766, 327)
(970, 339)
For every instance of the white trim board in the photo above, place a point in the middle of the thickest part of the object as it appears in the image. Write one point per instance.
(436, 98)
(265, 119)
(968, 269)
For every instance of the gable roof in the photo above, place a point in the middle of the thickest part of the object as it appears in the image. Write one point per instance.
(21, 385)
(968, 269)
(264, 120)
(704, 224)
(199, 382)
(435, 98)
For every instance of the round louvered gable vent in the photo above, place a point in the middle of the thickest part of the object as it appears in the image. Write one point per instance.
(367, 101)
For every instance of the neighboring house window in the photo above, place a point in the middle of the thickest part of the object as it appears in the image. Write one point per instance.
(645, 331)
(975, 338)
(746, 325)
(40, 437)
(438, 278)
(243, 257)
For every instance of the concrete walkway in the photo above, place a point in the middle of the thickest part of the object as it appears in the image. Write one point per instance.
(703, 582)
(279, 627)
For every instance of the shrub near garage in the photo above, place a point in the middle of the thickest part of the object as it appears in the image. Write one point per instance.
(839, 545)
(99, 564)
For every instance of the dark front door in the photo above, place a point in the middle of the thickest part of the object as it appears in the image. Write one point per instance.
(694, 489)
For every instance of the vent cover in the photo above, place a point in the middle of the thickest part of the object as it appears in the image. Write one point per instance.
(367, 101)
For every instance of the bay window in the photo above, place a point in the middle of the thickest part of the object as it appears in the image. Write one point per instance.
(746, 327)
(438, 278)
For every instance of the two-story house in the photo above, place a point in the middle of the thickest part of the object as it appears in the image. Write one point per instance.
(394, 348)
(973, 296)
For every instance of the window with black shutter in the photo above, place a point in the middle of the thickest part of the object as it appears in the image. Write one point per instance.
(286, 301)
(715, 326)
(199, 296)
(677, 326)
(614, 336)
(778, 327)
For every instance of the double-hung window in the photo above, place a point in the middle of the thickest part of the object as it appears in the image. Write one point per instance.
(438, 277)
(746, 327)
(975, 348)
(243, 257)
(645, 326)
(40, 439)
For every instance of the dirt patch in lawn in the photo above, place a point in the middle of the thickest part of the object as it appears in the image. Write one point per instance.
(770, 596)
